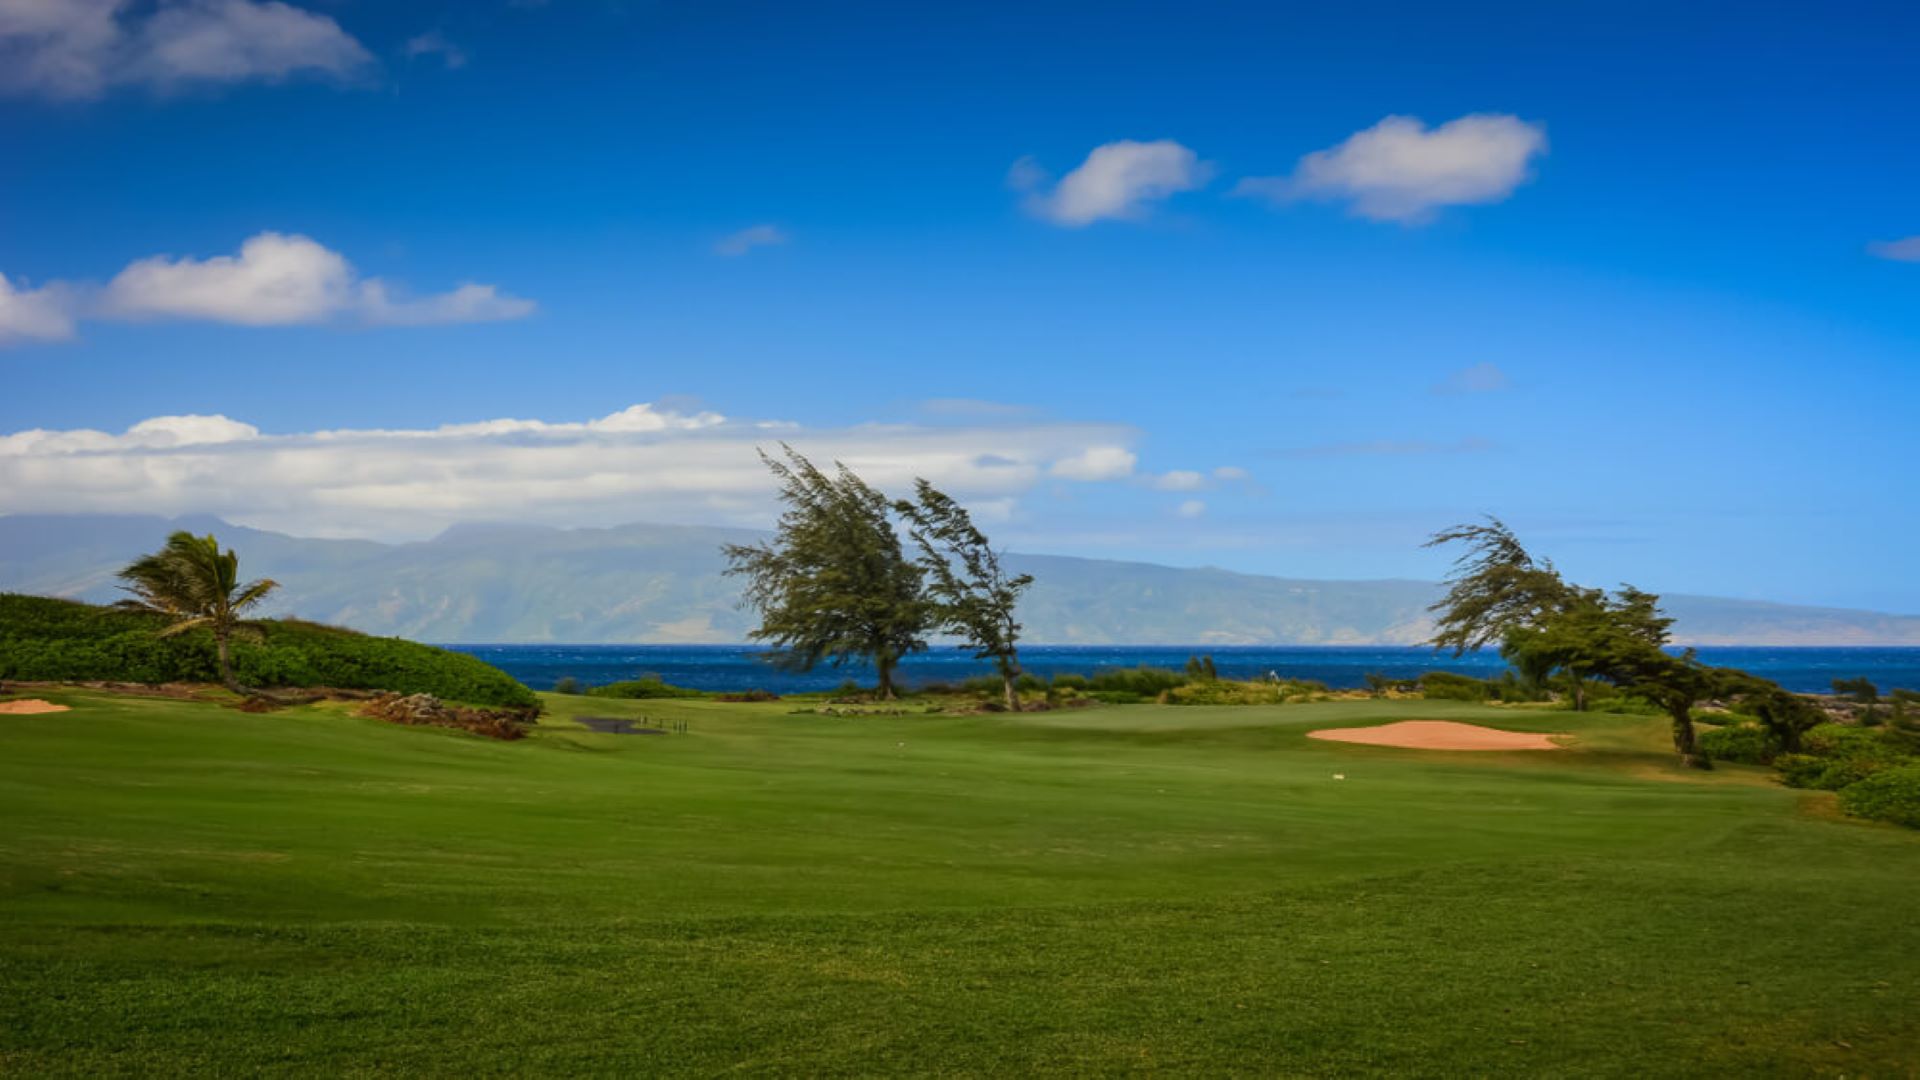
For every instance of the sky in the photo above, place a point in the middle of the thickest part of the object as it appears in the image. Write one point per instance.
(1278, 288)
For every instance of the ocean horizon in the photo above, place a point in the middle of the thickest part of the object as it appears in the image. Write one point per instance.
(1805, 669)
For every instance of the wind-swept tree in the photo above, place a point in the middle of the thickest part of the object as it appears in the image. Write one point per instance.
(834, 583)
(1495, 587)
(974, 596)
(1500, 593)
(193, 582)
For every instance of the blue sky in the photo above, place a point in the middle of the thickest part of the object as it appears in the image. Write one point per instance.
(1648, 302)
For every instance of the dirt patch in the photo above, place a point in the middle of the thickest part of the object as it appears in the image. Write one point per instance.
(607, 725)
(29, 707)
(1438, 735)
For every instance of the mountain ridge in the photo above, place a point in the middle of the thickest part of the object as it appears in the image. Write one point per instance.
(512, 582)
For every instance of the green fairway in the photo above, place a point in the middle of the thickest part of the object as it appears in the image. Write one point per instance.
(185, 887)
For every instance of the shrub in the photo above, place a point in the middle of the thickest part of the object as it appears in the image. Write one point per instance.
(1838, 756)
(1143, 682)
(1069, 681)
(1747, 744)
(1889, 795)
(646, 686)
(1224, 692)
(52, 640)
(566, 684)
(1446, 686)
(748, 695)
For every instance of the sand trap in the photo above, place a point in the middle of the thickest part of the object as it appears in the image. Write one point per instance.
(1438, 735)
(29, 707)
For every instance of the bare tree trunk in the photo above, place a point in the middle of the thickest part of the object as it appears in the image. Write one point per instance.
(1682, 716)
(1579, 694)
(226, 664)
(1007, 678)
(884, 662)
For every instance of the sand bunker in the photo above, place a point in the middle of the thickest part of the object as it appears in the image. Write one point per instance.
(29, 707)
(1438, 735)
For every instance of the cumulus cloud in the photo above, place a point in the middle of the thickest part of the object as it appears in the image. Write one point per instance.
(1192, 508)
(642, 462)
(275, 280)
(1117, 181)
(1907, 250)
(1096, 463)
(435, 43)
(739, 243)
(1481, 378)
(43, 314)
(78, 49)
(1399, 170)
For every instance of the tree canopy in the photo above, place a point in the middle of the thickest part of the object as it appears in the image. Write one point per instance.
(834, 584)
(196, 584)
(974, 597)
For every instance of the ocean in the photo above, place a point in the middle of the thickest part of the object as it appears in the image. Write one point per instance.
(741, 667)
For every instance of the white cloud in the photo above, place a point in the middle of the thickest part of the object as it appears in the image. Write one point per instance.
(1230, 473)
(77, 49)
(1192, 508)
(1096, 463)
(1398, 170)
(739, 243)
(1116, 181)
(43, 314)
(1907, 250)
(642, 462)
(466, 303)
(1481, 378)
(435, 43)
(275, 280)
(1180, 480)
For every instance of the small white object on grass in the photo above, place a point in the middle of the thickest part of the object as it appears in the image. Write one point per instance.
(1339, 776)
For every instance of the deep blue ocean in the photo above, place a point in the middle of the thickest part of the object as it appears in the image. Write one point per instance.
(740, 667)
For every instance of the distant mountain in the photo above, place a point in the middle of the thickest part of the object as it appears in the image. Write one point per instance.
(663, 583)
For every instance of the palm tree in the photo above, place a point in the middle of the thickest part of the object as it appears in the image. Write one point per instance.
(193, 582)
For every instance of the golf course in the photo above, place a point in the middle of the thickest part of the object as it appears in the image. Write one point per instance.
(763, 888)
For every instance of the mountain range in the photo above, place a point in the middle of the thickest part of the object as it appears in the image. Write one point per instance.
(664, 584)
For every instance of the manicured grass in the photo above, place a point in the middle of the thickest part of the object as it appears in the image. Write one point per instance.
(185, 887)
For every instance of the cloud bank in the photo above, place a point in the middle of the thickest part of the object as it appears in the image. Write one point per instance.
(80, 49)
(276, 279)
(1398, 170)
(1117, 182)
(640, 463)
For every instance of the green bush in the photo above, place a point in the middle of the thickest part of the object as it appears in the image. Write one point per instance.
(1889, 795)
(1069, 681)
(1840, 755)
(1144, 683)
(646, 686)
(1747, 744)
(44, 639)
(1226, 692)
(1446, 686)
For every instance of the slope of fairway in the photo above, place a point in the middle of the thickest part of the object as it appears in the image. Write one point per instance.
(1141, 888)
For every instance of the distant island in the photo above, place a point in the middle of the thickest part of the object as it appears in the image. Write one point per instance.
(647, 583)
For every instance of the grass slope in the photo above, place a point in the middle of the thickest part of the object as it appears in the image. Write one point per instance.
(1131, 889)
(42, 638)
